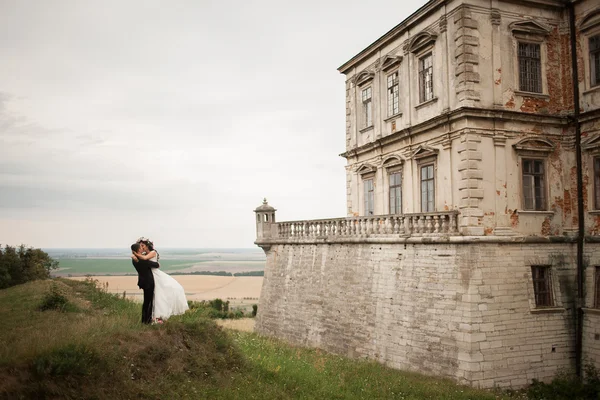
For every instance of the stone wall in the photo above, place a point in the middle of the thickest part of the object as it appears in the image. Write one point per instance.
(460, 310)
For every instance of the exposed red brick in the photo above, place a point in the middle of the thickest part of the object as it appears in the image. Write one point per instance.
(546, 231)
(514, 219)
(511, 102)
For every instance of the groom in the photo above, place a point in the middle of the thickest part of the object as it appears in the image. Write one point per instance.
(145, 282)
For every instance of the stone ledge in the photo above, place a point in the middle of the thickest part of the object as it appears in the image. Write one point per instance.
(548, 310)
(595, 311)
(457, 239)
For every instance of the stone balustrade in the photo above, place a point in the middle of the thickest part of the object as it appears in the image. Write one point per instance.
(420, 224)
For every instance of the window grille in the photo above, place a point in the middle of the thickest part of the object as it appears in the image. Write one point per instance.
(393, 94)
(367, 108)
(542, 285)
(427, 188)
(369, 196)
(595, 60)
(597, 183)
(395, 193)
(530, 67)
(597, 288)
(534, 188)
(426, 78)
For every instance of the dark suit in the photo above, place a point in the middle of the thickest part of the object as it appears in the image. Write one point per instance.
(146, 283)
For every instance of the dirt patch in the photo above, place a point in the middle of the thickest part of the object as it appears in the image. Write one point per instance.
(242, 324)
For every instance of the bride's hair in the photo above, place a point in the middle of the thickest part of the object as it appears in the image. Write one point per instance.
(150, 246)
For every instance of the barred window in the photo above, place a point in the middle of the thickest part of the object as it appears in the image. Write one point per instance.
(426, 78)
(530, 67)
(369, 196)
(396, 193)
(595, 60)
(393, 94)
(542, 285)
(367, 108)
(597, 288)
(427, 188)
(534, 187)
(597, 183)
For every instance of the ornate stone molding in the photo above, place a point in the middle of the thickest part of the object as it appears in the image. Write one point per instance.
(390, 61)
(529, 27)
(534, 145)
(495, 17)
(421, 41)
(363, 78)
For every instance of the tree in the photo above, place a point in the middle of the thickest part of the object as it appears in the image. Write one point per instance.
(24, 264)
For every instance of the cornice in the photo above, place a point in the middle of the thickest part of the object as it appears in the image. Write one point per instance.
(463, 112)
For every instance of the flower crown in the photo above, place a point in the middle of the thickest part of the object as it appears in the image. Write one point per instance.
(145, 240)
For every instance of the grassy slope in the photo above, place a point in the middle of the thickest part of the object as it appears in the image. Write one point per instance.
(99, 350)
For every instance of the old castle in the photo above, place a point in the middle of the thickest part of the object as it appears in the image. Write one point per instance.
(471, 245)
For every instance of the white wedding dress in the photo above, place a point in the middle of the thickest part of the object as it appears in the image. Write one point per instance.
(169, 296)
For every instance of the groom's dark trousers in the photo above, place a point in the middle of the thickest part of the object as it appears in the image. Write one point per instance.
(146, 283)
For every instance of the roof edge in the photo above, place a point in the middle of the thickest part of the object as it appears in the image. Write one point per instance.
(402, 26)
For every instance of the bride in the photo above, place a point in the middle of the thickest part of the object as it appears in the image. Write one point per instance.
(169, 296)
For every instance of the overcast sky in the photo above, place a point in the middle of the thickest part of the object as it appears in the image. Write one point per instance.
(173, 119)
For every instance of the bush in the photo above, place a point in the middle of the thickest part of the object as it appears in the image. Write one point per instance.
(254, 309)
(568, 386)
(56, 299)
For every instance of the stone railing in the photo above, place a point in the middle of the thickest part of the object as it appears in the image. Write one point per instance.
(421, 224)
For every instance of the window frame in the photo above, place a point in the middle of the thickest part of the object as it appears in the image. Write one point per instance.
(422, 163)
(596, 171)
(520, 59)
(423, 94)
(391, 95)
(390, 172)
(366, 104)
(594, 73)
(597, 286)
(547, 282)
(367, 193)
(544, 190)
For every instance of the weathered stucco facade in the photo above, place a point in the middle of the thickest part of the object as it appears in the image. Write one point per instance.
(458, 255)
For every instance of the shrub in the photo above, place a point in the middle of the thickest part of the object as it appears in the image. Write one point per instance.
(254, 309)
(23, 264)
(568, 386)
(56, 299)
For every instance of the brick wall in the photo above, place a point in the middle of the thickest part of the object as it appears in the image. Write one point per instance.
(463, 311)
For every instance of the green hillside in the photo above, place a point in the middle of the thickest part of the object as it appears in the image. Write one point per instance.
(89, 344)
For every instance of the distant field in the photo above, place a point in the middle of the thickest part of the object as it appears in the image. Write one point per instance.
(122, 266)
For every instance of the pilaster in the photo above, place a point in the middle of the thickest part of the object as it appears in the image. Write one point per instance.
(466, 39)
(470, 185)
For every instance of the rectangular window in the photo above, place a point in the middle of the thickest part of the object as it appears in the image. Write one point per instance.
(597, 288)
(369, 196)
(396, 193)
(530, 67)
(542, 285)
(534, 187)
(367, 108)
(393, 94)
(427, 188)
(597, 183)
(426, 78)
(595, 60)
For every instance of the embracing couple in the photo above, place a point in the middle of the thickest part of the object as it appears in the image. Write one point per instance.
(163, 295)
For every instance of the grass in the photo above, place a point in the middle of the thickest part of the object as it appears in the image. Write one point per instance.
(93, 346)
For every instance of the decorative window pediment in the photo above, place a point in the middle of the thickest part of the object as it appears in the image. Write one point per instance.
(537, 146)
(366, 169)
(392, 161)
(591, 144)
(529, 27)
(424, 152)
(421, 41)
(591, 20)
(364, 77)
(390, 62)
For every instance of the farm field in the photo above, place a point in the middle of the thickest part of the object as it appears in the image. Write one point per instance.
(240, 291)
(82, 262)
